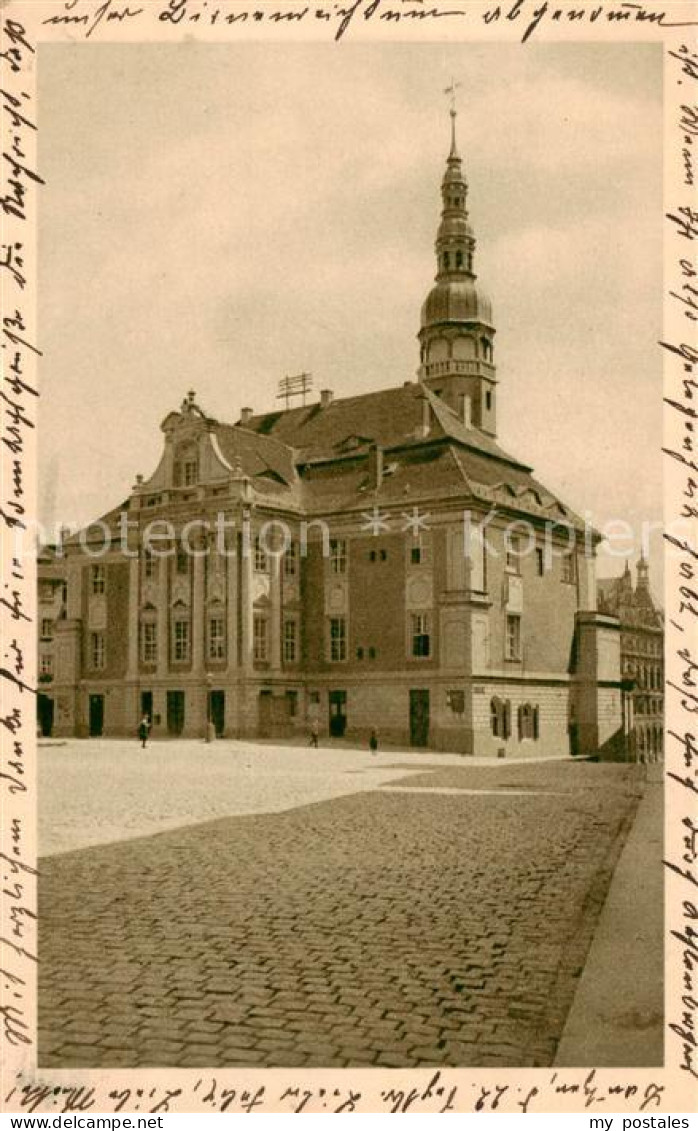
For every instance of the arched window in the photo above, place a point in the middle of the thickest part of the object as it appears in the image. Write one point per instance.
(447, 261)
(500, 717)
(496, 706)
(459, 260)
(528, 721)
(488, 400)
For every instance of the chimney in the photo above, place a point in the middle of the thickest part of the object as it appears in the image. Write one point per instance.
(375, 466)
(326, 398)
(246, 415)
(466, 410)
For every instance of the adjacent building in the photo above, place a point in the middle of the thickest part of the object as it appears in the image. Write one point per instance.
(642, 656)
(367, 561)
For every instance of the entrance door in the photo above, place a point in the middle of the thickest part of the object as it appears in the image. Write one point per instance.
(44, 711)
(265, 714)
(175, 712)
(217, 708)
(419, 718)
(96, 715)
(147, 704)
(338, 713)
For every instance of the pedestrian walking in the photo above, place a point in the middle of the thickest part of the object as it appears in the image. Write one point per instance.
(373, 741)
(144, 730)
(314, 732)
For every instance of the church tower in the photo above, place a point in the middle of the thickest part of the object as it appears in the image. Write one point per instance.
(457, 333)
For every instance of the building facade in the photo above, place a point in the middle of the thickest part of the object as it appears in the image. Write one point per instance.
(642, 657)
(372, 561)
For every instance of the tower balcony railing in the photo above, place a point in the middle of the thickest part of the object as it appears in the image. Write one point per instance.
(472, 368)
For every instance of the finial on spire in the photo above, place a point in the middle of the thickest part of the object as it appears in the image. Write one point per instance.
(451, 91)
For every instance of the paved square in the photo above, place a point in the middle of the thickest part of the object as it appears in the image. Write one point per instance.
(420, 909)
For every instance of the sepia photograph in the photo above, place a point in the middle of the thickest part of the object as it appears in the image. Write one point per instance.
(350, 625)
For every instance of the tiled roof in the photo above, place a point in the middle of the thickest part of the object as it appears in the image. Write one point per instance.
(388, 417)
(257, 454)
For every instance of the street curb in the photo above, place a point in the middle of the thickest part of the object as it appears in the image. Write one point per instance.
(616, 1017)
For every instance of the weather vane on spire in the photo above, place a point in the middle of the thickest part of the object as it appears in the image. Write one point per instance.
(451, 91)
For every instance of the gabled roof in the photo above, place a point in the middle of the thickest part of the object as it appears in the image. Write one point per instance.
(388, 417)
(256, 454)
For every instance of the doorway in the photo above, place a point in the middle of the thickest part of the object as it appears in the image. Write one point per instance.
(44, 712)
(419, 718)
(217, 711)
(265, 714)
(96, 716)
(338, 713)
(175, 712)
(147, 704)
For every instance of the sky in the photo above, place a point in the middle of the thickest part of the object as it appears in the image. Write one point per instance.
(217, 217)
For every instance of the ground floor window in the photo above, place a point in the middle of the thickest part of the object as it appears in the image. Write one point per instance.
(500, 717)
(528, 718)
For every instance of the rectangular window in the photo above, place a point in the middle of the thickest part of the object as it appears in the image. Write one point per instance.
(216, 638)
(338, 639)
(513, 642)
(97, 650)
(47, 629)
(190, 470)
(261, 558)
(180, 641)
(290, 641)
(46, 664)
(99, 579)
(291, 560)
(149, 642)
(513, 544)
(419, 551)
(540, 561)
(421, 640)
(568, 567)
(261, 647)
(46, 591)
(456, 701)
(338, 555)
(149, 564)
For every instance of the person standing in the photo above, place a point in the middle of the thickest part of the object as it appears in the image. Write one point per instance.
(373, 741)
(314, 733)
(144, 730)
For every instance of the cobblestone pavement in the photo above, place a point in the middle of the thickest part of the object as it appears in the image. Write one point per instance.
(419, 928)
(100, 790)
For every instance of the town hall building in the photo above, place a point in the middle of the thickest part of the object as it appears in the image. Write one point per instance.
(375, 561)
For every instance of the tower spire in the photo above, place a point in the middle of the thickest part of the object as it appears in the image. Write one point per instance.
(453, 111)
(457, 332)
